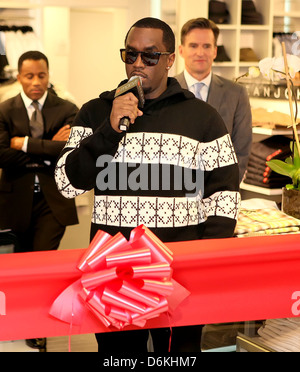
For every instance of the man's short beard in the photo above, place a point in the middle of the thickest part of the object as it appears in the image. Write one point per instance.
(147, 90)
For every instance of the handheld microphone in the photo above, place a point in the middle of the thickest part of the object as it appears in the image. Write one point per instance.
(134, 85)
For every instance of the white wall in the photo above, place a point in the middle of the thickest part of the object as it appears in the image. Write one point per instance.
(195, 8)
(95, 39)
(56, 41)
(82, 42)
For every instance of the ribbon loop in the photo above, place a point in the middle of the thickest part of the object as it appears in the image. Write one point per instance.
(123, 282)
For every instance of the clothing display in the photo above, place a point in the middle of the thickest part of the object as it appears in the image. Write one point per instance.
(265, 222)
(264, 118)
(15, 40)
(258, 173)
(8, 241)
(282, 335)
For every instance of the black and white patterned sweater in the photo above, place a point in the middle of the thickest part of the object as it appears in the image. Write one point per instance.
(152, 174)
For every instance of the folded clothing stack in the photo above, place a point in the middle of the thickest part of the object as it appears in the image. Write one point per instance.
(8, 241)
(269, 221)
(281, 335)
(258, 172)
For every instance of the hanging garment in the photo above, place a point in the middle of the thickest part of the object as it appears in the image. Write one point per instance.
(16, 41)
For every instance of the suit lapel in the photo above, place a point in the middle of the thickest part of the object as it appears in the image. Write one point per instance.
(49, 118)
(215, 94)
(20, 117)
(21, 120)
(181, 80)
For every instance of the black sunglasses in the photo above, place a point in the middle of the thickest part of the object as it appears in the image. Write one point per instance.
(148, 58)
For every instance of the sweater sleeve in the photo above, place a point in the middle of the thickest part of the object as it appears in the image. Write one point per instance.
(221, 196)
(91, 136)
(10, 157)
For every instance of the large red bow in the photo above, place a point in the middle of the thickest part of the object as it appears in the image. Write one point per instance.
(124, 282)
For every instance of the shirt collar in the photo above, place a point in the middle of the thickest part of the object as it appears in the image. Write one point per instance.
(28, 101)
(190, 80)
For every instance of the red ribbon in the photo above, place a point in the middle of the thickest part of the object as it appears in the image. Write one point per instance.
(123, 282)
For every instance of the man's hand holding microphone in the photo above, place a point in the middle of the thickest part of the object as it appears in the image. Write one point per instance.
(128, 99)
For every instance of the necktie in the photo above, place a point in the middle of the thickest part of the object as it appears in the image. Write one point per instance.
(36, 122)
(198, 87)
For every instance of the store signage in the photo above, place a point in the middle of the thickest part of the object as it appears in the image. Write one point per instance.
(2, 304)
(269, 91)
(296, 305)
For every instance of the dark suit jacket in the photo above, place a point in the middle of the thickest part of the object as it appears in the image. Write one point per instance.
(19, 168)
(232, 103)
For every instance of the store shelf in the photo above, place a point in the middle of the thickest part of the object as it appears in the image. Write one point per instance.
(251, 345)
(236, 35)
(228, 27)
(273, 132)
(249, 64)
(224, 64)
(287, 14)
(260, 134)
(261, 190)
(255, 27)
(19, 5)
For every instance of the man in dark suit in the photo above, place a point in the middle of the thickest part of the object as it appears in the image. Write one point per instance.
(199, 49)
(34, 128)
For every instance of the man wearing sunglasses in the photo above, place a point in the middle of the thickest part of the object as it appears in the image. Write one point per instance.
(174, 132)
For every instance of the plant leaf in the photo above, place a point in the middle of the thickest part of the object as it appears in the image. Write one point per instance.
(282, 168)
(296, 178)
(296, 155)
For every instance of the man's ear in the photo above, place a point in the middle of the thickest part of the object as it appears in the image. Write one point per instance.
(180, 50)
(216, 52)
(171, 60)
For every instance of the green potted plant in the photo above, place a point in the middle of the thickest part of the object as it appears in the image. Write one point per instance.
(291, 192)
